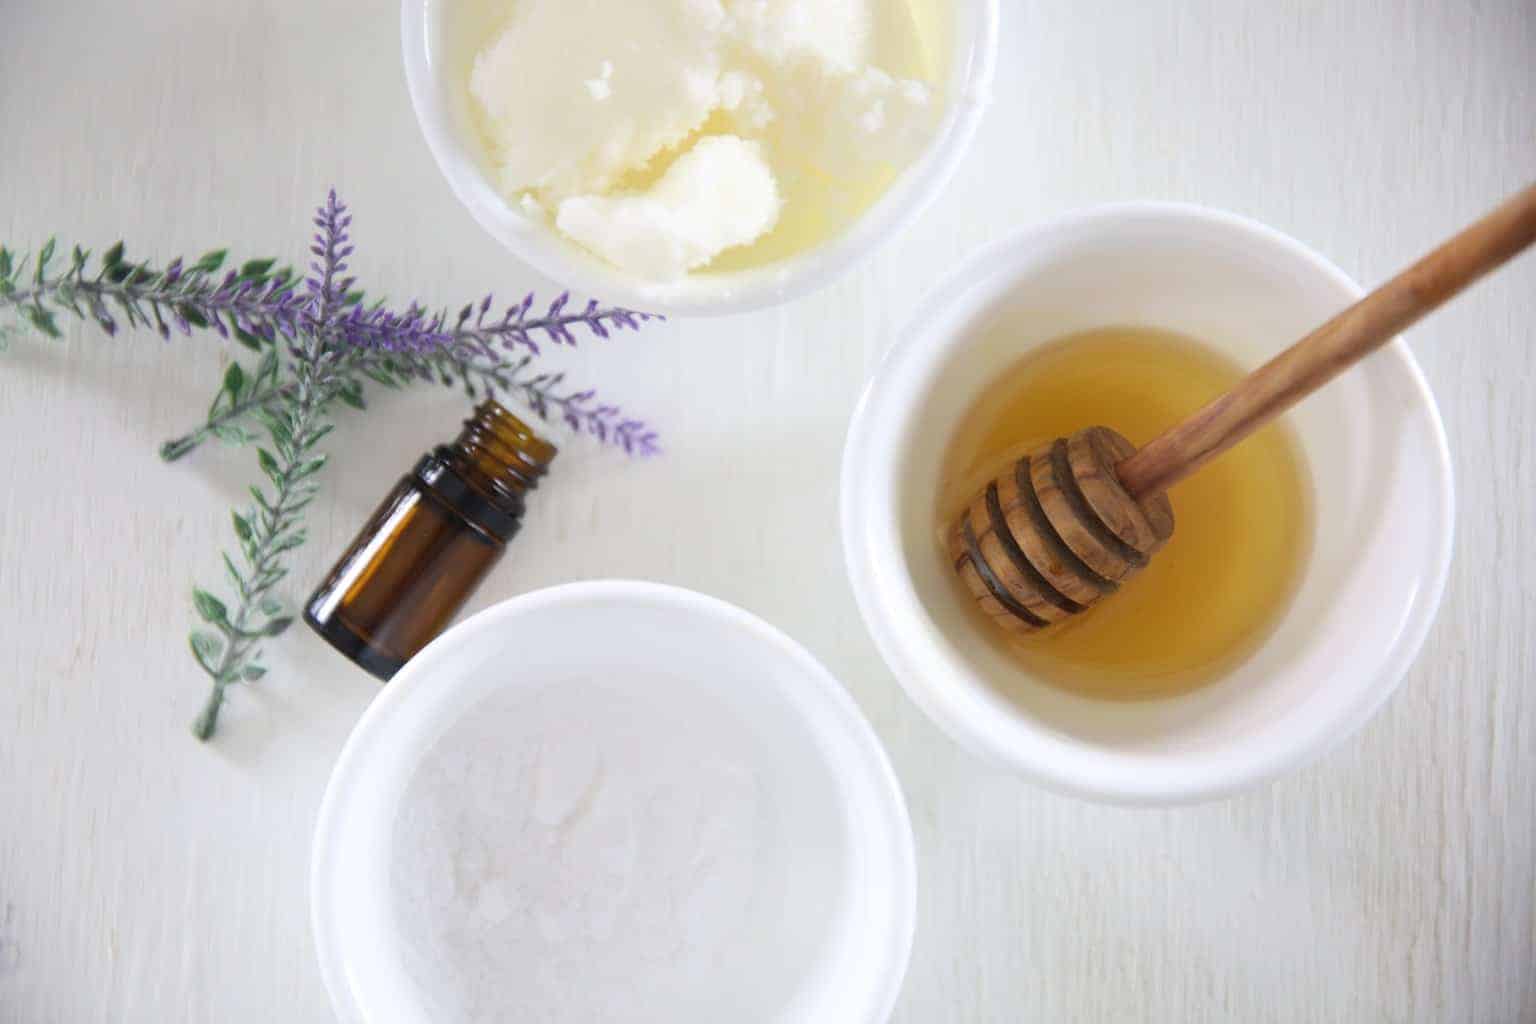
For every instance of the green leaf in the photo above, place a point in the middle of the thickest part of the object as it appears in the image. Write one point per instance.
(234, 573)
(5, 262)
(192, 315)
(231, 434)
(268, 525)
(210, 608)
(113, 256)
(248, 339)
(383, 377)
(351, 392)
(234, 381)
(206, 648)
(208, 262)
(309, 467)
(270, 606)
(256, 268)
(64, 296)
(242, 527)
(271, 467)
(277, 426)
(42, 261)
(276, 626)
(251, 673)
(42, 320)
(288, 543)
(261, 499)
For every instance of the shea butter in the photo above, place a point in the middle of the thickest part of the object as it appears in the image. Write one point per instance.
(665, 135)
(717, 195)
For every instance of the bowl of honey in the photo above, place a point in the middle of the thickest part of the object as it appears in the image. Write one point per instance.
(1308, 561)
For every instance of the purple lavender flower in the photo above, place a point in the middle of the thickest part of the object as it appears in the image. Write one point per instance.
(260, 306)
(417, 330)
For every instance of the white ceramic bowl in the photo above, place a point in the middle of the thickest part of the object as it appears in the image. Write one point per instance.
(973, 50)
(1372, 440)
(828, 794)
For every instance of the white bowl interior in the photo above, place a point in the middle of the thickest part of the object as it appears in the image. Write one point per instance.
(429, 62)
(832, 828)
(1372, 441)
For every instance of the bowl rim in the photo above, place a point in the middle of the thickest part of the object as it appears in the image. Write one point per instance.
(913, 647)
(537, 245)
(818, 696)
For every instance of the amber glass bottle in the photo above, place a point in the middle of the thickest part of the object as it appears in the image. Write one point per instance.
(430, 543)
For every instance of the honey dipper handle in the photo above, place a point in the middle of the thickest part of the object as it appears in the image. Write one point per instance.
(1332, 348)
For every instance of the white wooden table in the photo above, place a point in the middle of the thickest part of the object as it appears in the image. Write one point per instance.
(144, 877)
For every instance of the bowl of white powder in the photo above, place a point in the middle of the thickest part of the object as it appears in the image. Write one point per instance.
(697, 156)
(613, 802)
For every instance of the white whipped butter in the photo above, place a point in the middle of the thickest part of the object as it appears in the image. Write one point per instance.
(661, 133)
(718, 194)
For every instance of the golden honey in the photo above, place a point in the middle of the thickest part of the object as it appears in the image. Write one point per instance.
(1243, 523)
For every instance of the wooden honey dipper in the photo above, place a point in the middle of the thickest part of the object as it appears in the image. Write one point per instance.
(1074, 519)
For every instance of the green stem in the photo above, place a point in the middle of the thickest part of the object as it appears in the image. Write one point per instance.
(208, 719)
(260, 398)
(197, 294)
(310, 400)
(273, 393)
(487, 377)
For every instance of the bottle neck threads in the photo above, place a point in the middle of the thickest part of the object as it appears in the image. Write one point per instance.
(486, 471)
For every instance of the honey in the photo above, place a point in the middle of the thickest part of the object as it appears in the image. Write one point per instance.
(1243, 523)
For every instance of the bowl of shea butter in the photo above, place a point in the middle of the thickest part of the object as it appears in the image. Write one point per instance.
(697, 156)
(613, 801)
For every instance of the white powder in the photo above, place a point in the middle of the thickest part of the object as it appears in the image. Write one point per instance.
(611, 851)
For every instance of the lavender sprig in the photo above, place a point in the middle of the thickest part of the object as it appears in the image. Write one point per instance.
(266, 532)
(273, 526)
(581, 411)
(318, 342)
(420, 331)
(328, 289)
(254, 303)
(260, 306)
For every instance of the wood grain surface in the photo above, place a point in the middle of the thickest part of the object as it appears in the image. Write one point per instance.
(146, 878)
(1332, 348)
